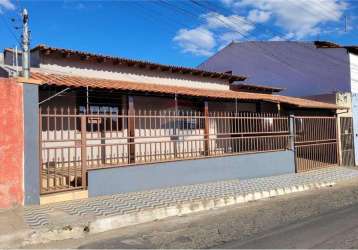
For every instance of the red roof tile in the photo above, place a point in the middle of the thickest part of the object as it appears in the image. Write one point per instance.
(79, 81)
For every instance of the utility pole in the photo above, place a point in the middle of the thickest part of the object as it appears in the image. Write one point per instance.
(25, 45)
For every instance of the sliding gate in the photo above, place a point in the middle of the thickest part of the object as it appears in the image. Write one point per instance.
(315, 142)
(347, 146)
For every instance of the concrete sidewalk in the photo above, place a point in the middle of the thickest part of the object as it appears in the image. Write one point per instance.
(36, 224)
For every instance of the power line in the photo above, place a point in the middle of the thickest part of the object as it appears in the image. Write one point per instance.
(301, 44)
(178, 7)
(149, 15)
(245, 36)
(153, 15)
(244, 20)
(9, 29)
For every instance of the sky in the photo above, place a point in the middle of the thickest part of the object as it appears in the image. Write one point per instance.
(178, 32)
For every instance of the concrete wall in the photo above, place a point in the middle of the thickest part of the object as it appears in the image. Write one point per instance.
(145, 177)
(31, 144)
(11, 143)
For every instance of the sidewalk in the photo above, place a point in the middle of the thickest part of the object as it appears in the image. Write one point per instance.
(35, 224)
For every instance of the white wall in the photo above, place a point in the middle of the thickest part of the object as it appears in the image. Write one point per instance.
(354, 88)
(354, 72)
(107, 70)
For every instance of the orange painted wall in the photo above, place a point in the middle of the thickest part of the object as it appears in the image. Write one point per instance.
(11, 143)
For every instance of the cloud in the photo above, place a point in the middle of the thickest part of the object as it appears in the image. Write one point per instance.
(286, 37)
(236, 23)
(73, 5)
(198, 41)
(228, 37)
(227, 2)
(215, 31)
(294, 19)
(7, 5)
(82, 5)
(258, 16)
(301, 17)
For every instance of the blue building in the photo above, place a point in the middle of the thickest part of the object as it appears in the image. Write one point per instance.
(301, 68)
(318, 70)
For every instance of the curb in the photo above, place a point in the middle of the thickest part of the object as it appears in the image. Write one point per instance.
(115, 222)
(103, 224)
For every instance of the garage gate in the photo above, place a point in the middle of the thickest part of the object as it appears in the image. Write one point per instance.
(315, 142)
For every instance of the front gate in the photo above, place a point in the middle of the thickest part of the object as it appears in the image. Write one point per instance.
(347, 148)
(315, 142)
(61, 149)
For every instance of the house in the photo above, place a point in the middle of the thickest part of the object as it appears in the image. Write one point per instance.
(89, 124)
(290, 65)
(318, 70)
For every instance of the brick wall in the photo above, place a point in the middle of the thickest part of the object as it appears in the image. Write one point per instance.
(11, 143)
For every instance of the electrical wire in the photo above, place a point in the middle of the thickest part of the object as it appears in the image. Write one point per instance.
(10, 30)
(301, 44)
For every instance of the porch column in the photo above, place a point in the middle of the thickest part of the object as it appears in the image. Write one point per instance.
(131, 130)
(31, 144)
(206, 129)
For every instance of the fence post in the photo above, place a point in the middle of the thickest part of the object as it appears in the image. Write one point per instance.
(206, 128)
(175, 135)
(83, 150)
(338, 139)
(103, 141)
(292, 131)
(131, 130)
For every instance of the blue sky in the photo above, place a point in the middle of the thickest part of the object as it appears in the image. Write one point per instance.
(176, 32)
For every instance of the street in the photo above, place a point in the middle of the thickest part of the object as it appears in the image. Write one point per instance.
(320, 218)
(336, 229)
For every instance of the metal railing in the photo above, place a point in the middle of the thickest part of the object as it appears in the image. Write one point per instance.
(315, 142)
(73, 142)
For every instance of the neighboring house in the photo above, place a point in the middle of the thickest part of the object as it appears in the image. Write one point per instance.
(318, 70)
(91, 125)
(301, 68)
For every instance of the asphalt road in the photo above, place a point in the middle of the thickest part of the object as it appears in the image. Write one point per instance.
(336, 229)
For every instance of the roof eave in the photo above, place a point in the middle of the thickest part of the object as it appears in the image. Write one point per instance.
(141, 64)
